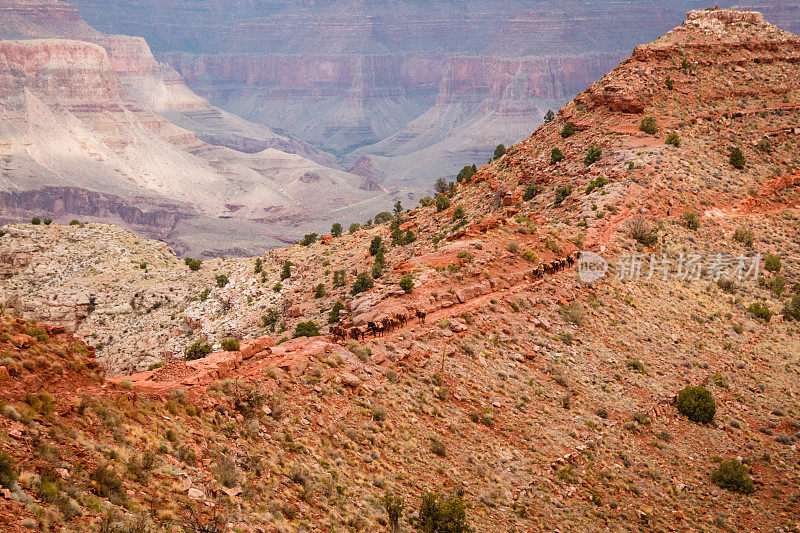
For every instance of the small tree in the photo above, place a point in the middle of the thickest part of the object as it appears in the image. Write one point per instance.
(339, 278)
(394, 509)
(319, 291)
(8, 471)
(336, 230)
(458, 212)
(669, 83)
(306, 329)
(697, 404)
(259, 266)
(230, 344)
(442, 203)
(760, 311)
(648, 125)
(532, 189)
(383, 216)
(333, 316)
(354, 227)
(376, 245)
(441, 186)
(562, 192)
(36, 221)
(286, 270)
(440, 514)
(691, 220)
(738, 160)
(425, 201)
(197, 350)
(407, 283)
(193, 264)
(567, 130)
(499, 152)
(556, 155)
(549, 116)
(309, 239)
(222, 280)
(362, 283)
(593, 155)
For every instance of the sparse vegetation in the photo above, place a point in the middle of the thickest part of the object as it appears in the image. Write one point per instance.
(407, 283)
(673, 139)
(562, 193)
(772, 262)
(556, 155)
(593, 155)
(197, 350)
(362, 283)
(568, 130)
(230, 344)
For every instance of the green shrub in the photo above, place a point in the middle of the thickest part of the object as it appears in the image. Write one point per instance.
(772, 262)
(458, 212)
(791, 310)
(425, 201)
(744, 236)
(106, 482)
(598, 183)
(499, 152)
(309, 239)
(339, 278)
(336, 230)
(532, 189)
(47, 221)
(733, 476)
(222, 280)
(549, 116)
(259, 266)
(193, 264)
(286, 270)
(442, 203)
(197, 350)
(394, 510)
(593, 155)
(306, 329)
(760, 311)
(73, 223)
(556, 155)
(642, 231)
(529, 255)
(669, 83)
(230, 344)
(764, 145)
(648, 125)
(270, 318)
(440, 514)
(333, 315)
(562, 192)
(464, 175)
(354, 227)
(362, 283)
(697, 404)
(737, 159)
(777, 284)
(691, 220)
(376, 245)
(278, 287)
(155, 366)
(674, 140)
(204, 294)
(8, 471)
(36, 221)
(407, 283)
(382, 217)
(568, 130)
(319, 291)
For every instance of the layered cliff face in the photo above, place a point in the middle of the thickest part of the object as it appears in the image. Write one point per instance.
(360, 80)
(74, 144)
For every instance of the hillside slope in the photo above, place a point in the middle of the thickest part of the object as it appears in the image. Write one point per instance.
(499, 376)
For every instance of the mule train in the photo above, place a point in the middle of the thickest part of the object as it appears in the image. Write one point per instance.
(388, 324)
